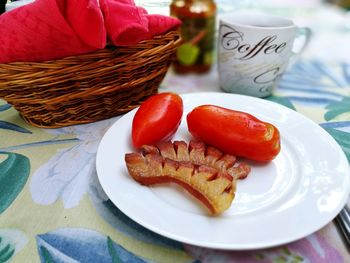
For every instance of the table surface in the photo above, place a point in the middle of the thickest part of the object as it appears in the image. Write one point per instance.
(52, 208)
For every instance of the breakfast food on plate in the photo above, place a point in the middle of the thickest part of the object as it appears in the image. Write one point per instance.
(204, 171)
(234, 132)
(206, 168)
(199, 154)
(157, 119)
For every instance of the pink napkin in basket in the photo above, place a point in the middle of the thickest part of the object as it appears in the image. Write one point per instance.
(51, 29)
(127, 24)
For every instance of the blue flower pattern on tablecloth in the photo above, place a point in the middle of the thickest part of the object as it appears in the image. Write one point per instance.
(69, 173)
(326, 87)
(307, 84)
(11, 126)
(14, 168)
(315, 83)
(11, 241)
(82, 245)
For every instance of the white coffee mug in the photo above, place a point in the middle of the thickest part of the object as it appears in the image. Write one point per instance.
(254, 51)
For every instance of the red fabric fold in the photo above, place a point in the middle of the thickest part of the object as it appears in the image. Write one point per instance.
(127, 24)
(53, 29)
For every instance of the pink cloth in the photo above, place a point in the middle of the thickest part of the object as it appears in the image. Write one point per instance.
(53, 29)
(127, 24)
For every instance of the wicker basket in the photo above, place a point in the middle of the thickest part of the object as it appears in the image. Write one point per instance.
(90, 87)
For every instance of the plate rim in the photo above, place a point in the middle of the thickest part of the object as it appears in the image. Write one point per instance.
(220, 245)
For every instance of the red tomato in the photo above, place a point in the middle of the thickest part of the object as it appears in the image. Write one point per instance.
(157, 119)
(234, 132)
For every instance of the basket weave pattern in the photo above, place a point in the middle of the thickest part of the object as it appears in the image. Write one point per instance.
(90, 87)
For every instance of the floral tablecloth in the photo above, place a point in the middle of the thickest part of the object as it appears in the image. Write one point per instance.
(53, 209)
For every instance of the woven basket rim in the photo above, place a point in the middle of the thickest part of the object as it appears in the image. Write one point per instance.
(87, 87)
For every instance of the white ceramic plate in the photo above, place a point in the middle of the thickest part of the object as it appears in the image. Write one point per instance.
(291, 197)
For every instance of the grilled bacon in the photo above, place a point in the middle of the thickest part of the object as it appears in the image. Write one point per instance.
(204, 171)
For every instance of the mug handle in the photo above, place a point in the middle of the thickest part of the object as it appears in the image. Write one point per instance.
(302, 32)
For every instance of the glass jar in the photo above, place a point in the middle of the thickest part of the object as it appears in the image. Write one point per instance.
(195, 54)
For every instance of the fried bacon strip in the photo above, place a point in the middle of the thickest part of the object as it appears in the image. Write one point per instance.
(205, 172)
(198, 153)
